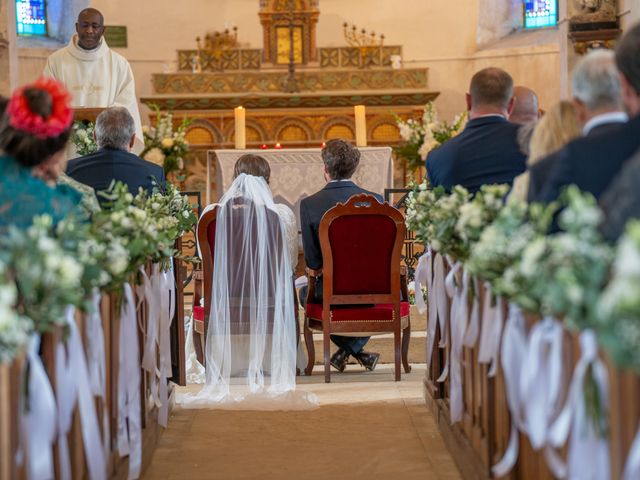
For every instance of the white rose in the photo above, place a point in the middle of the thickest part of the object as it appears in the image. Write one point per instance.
(8, 295)
(155, 155)
(140, 214)
(70, 271)
(46, 244)
(127, 223)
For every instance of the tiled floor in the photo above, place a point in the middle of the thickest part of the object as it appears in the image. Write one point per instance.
(367, 426)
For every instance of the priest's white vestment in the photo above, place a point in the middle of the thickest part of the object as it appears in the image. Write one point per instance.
(97, 78)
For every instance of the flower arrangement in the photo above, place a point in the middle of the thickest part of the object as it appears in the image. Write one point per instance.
(422, 136)
(47, 278)
(82, 138)
(43, 270)
(14, 328)
(451, 223)
(619, 305)
(163, 145)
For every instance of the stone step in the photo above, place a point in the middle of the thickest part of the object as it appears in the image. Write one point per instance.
(382, 344)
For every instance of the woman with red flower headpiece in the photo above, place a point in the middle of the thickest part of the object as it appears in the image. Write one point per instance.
(34, 131)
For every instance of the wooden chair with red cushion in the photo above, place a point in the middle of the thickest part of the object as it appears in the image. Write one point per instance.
(361, 242)
(207, 241)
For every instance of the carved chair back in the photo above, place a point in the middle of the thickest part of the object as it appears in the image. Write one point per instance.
(361, 243)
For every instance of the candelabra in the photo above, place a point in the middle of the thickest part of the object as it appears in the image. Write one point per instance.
(214, 47)
(368, 43)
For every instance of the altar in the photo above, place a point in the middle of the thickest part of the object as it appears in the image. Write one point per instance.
(296, 93)
(298, 173)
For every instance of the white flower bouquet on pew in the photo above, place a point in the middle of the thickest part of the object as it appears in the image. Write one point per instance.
(433, 215)
(47, 278)
(452, 223)
(619, 308)
(563, 274)
(14, 328)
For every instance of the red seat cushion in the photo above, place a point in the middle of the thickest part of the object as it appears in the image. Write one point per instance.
(383, 311)
(198, 313)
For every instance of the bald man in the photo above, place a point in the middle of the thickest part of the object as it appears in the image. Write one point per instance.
(96, 76)
(525, 108)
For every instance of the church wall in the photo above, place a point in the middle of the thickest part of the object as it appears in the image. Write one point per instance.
(8, 51)
(452, 41)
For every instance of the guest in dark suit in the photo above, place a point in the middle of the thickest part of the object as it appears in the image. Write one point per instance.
(487, 150)
(340, 162)
(115, 136)
(591, 160)
(621, 199)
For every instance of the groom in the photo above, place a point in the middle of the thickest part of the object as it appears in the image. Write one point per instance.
(340, 162)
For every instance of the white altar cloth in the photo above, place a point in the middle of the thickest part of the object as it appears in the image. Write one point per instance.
(298, 173)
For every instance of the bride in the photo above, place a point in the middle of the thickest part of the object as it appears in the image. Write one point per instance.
(251, 344)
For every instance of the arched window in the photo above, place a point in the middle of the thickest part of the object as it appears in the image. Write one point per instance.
(31, 17)
(540, 13)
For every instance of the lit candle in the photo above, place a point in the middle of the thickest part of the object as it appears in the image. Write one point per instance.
(241, 135)
(361, 126)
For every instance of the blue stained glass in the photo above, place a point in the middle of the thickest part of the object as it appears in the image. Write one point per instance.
(540, 13)
(31, 17)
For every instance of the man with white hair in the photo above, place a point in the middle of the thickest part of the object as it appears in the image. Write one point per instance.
(115, 135)
(597, 97)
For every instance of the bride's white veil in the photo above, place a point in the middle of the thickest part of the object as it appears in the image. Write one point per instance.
(251, 342)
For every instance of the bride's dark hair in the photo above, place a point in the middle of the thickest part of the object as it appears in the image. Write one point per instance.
(252, 165)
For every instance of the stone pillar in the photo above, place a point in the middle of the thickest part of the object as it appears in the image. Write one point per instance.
(566, 50)
(8, 48)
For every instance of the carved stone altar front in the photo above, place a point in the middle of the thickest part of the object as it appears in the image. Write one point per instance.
(327, 83)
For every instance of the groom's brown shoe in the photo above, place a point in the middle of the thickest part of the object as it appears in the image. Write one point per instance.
(368, 360)
(339, 360)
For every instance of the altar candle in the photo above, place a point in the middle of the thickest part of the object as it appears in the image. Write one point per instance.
(241, 134)
(361, 126)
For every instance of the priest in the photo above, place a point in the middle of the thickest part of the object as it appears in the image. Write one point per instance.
(96, 76)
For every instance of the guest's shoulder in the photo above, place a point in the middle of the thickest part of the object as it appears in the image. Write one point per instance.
(79, 161)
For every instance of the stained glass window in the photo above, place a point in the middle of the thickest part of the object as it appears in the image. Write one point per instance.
(540, 13)
(31, 17)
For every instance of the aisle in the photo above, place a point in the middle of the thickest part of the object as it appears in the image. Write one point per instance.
(368, 426)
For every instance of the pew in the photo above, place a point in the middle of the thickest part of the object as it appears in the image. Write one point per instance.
(11, 392)
(480, 440)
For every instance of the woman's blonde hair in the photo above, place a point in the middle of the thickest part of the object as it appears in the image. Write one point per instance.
(554, 130)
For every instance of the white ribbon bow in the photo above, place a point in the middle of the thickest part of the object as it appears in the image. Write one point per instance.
(129, 414)
(167, 311)
(459, 318)
(588, 451)
(492, 320)
(423, 278)
(438, 307)
(66, 395)
(514, 343)
(94, 451)
(632, 466)
(38, 426)
(473, 330)
(541, 387)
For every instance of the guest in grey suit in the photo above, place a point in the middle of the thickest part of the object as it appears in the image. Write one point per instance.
(597, 98)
